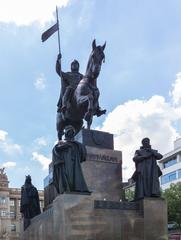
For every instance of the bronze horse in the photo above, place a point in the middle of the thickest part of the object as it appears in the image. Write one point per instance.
(84, 103)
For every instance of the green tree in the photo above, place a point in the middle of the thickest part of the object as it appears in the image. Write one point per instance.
(173, 197)
(129, 194)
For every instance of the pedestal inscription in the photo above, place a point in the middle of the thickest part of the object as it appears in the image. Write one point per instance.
(102, 171)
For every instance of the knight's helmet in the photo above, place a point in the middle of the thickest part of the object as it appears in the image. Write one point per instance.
(75, 66)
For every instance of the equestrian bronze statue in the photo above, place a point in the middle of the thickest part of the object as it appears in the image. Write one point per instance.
(79, 97)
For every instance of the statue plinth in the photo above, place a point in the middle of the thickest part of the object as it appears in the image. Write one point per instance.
(80, 217)
(103, 172)
(94, 138)
(103, 166)
(102, 169)
(100, 215)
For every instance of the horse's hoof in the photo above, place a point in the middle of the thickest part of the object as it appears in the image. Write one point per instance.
(104, 111)
(100, 112)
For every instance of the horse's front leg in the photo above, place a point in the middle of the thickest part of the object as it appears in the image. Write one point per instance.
(89, 123)
(90, 103)
(89, 114)
(60, 126)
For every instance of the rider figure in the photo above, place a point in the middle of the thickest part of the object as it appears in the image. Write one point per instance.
(70, 80)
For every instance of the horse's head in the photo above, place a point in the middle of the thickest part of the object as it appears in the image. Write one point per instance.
(95, 60)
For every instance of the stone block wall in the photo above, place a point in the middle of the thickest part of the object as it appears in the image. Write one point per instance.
(82, 217)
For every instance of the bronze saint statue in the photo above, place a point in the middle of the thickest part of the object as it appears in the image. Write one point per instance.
(147, 171)
(30, 205)
(69, 82)
(79, 98)
(67, 157)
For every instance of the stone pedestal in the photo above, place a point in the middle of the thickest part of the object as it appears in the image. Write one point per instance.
(102, 169)
(81, 217)
(94, 138)
(103, 172)
(80, 220)
(101, 215)
(155, 218)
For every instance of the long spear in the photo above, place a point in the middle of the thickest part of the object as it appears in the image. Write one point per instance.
(59, 42)
(50, 32)
(58, 31)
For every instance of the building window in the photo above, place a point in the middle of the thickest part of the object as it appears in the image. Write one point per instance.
(13, 227)
(179, 173)
(168, 177)
(170, 162)
(12, 214)
(11, 202)
(2, 200)
(3, 213)
(19, 202)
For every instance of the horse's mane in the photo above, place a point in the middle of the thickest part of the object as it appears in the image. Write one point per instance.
(99, 48)
(88, 64)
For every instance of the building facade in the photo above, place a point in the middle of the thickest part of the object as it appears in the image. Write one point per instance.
(170, 165)
(10, 216)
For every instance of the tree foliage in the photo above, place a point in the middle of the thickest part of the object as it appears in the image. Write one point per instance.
(129, 194)
(173, 197)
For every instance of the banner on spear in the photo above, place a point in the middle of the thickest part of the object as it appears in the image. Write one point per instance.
(48, 33)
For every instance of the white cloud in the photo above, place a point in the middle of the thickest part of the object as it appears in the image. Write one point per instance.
(40, 83)
(41, 141)
(10, 148)
(175, 93)
(44, 161)
(9, 164)
(136, 119)
(23, 12)
(7, 145)
(85, 14)
(3, 135)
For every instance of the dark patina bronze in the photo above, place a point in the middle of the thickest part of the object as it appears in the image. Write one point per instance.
(147, 171)
(67, 157)
(30, 205)
(79, 97)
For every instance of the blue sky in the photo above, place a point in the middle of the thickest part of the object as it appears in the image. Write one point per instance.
(140, 82)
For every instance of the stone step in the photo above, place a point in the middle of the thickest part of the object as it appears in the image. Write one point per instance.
(88, 222)
(88, 225)
(81, 237)
(83, 215)
(85, 232)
